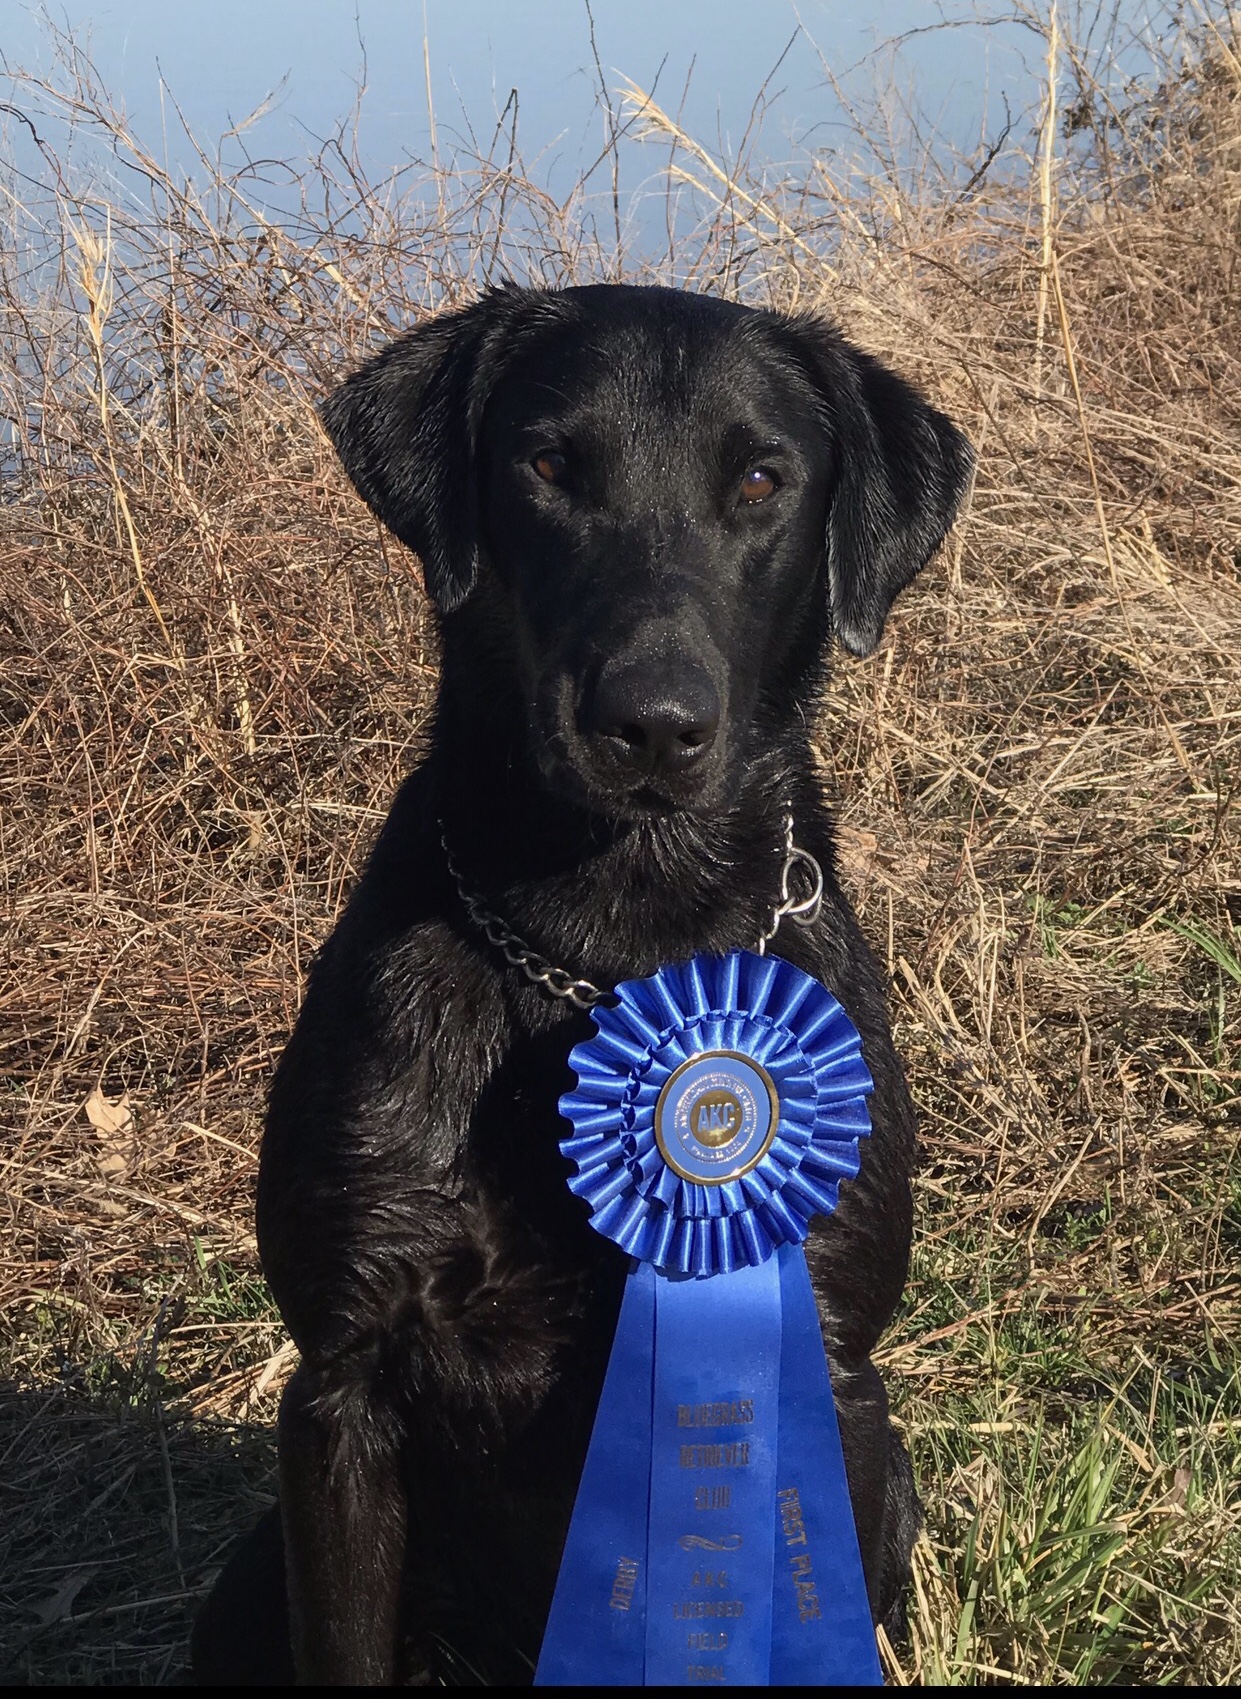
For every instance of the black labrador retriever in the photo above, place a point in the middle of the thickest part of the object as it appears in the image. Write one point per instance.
(642, 517)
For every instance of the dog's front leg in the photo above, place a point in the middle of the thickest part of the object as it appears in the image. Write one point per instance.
(885, 1506)
(344, 1511)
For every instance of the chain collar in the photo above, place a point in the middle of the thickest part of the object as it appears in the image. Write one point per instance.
(799, 867)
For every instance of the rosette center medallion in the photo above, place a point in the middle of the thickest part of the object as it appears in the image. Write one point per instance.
(716, 1117)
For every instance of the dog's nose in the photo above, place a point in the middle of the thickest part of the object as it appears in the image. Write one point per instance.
(654, 715)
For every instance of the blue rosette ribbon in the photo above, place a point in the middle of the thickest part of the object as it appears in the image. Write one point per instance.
(718, 1107)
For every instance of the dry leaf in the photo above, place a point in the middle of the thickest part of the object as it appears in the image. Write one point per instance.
(1179, 1490)
(113, 1121)
(857, 850)
(59, 1604)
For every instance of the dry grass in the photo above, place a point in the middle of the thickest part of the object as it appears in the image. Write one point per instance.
(216, 668)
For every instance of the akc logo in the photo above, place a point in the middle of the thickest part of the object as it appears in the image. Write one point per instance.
(716, 1117)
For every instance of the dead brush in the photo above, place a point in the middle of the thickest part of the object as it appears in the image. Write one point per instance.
(215, 669)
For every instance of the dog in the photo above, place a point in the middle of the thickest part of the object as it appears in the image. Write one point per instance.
(643, 516)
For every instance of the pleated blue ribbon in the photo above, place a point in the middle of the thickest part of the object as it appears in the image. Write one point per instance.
(717, 1109)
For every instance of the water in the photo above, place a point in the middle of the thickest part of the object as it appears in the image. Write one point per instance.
(272, 80)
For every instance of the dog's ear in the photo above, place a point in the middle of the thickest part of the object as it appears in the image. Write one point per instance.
(405, 425)
(902, 469)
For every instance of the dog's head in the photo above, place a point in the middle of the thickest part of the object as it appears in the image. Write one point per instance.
(650, 509)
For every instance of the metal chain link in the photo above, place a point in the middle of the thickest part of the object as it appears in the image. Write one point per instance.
(559, 981)
(803, 910)
(580, 992)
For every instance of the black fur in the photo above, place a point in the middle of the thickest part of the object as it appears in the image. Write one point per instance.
(631, 653)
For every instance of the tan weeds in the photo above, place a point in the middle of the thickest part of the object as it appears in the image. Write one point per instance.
(216, 669)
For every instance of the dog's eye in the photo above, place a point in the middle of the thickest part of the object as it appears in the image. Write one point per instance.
(759, 483)
(550, 466)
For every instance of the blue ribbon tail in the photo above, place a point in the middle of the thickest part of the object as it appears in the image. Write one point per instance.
(712, 1540)
(713, 1479)
(596, 1630)
(822, 1633)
